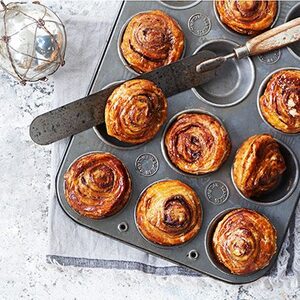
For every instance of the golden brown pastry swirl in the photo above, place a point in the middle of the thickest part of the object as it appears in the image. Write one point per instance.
(258, 165)
(169, 213)
(97, 185)
(247, 17)
(280, 103)
(135, 111)
(151, 40)
(244, 241)
(197, 143)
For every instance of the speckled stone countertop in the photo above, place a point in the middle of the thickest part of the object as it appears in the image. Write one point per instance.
(24, 195)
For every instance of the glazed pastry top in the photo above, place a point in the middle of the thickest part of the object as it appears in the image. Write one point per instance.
(97, 185)
(280, 103)
(244, 241)
(247, 17)
(197, 143)
(258, 165)
(135, 111)
(152, 39)
(169, 213)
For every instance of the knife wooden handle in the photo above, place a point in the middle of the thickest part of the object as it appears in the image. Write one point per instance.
(275, 38)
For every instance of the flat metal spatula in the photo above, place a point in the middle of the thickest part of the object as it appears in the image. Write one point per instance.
(270, 40)
(87, 112)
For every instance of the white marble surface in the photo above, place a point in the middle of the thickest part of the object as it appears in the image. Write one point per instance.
(24, 196)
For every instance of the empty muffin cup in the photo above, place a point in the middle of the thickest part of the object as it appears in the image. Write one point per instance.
(261, 91)
(234, 79)
(286, 184)
(179, 4)
(101, 131)
(293, 14)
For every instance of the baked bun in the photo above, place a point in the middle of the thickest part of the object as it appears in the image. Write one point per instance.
(197, 143)
(244, 241)
(151, 40)
(135, 111)
(280, 102)
(247, 17)
(169, 213)
(97, 185)
(258, 165)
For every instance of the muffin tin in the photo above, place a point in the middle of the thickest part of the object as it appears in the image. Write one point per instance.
(232, 99)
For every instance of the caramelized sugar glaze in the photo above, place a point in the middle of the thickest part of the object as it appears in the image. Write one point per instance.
(244, 241)
(151, 40)
(97, 185)
(135, 111)
(197, 143)
(280, 102)
(169, 213)
(258, 165)
(247, 17)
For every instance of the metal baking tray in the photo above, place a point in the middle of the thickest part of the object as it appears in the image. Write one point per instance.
(231, 97)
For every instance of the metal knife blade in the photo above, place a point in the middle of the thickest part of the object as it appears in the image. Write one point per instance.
(87, 112)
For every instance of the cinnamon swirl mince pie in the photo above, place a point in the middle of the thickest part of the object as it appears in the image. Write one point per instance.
(247, 17)
(152, 39)
(258, 165)
(169, 213)
(135, 111)
(97, 185)
(280, 103)
(197, 143)
(244, 241)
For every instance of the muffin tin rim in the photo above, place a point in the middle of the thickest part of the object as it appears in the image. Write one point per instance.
(120, 38)
(156, 244)
(260, 91)
(229, 30)
(252, 71)
(180, 7)
(167, 126)
(287, 195)
(296, 6)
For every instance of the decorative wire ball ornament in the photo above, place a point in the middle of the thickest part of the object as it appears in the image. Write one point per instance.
(32, 41)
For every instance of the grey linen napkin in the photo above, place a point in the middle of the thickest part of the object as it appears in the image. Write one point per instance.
(72, 244)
